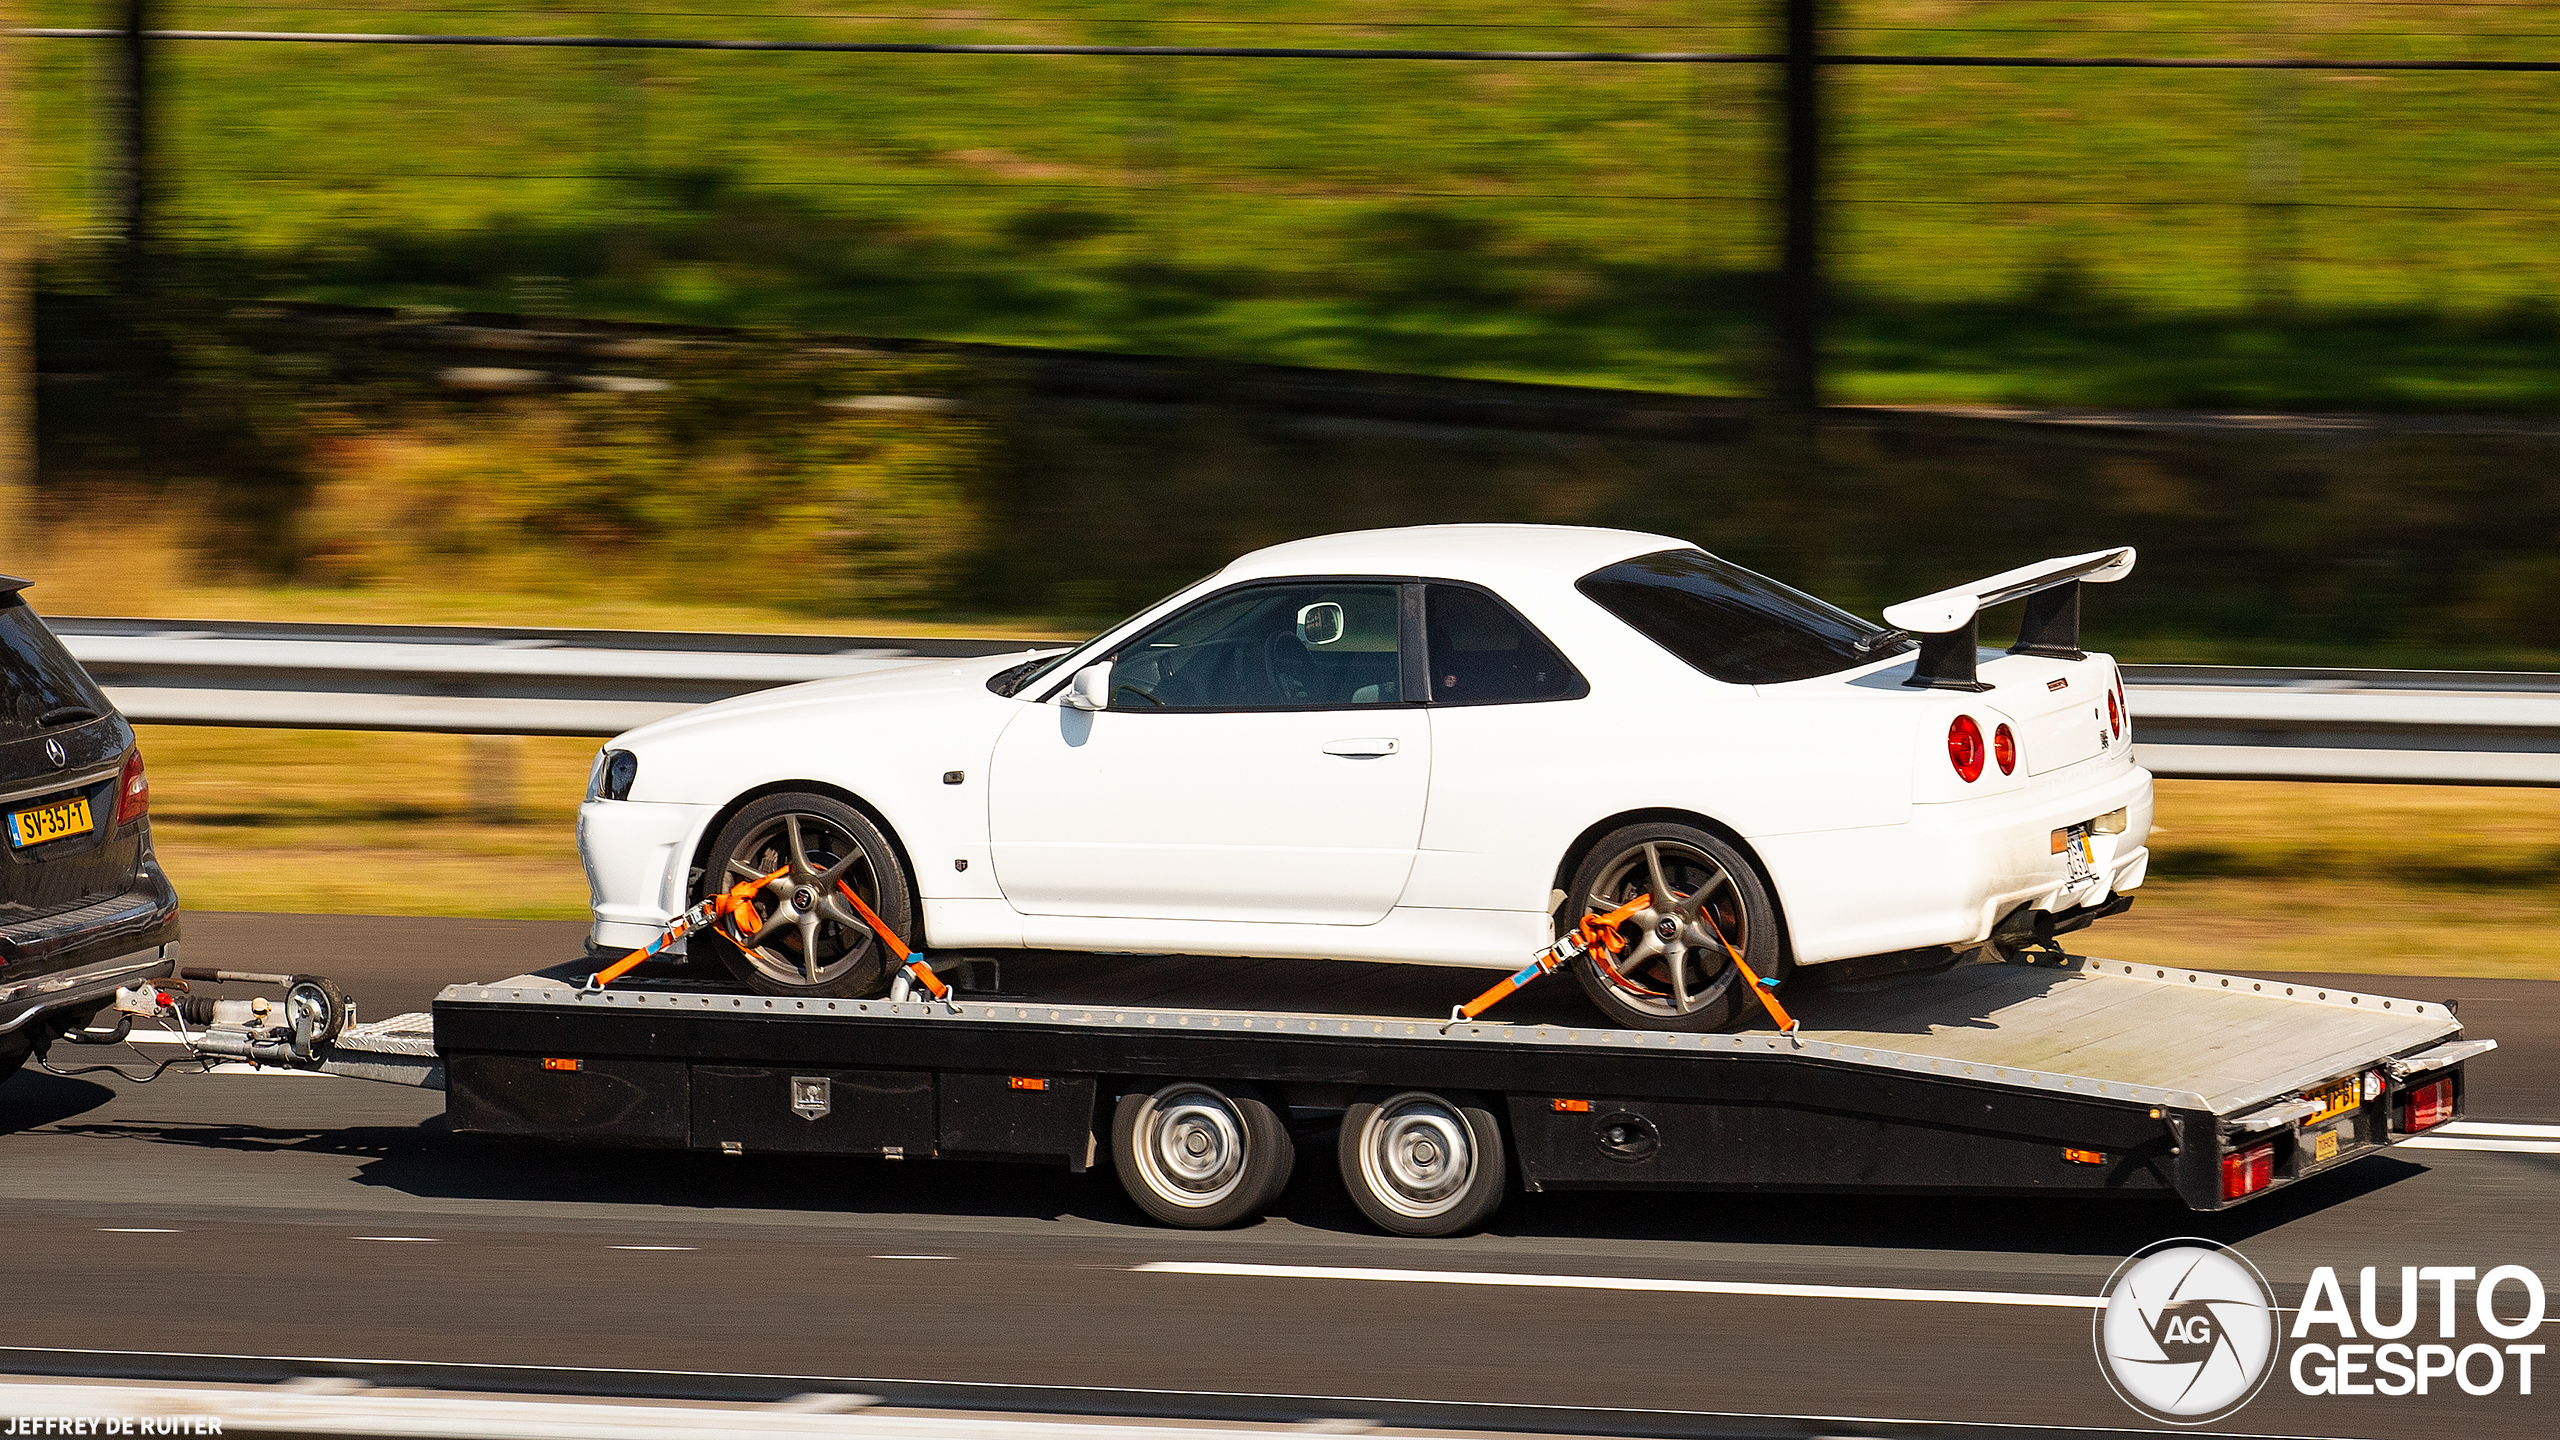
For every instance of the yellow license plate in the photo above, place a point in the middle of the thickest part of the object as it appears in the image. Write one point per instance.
(2324, 1147)
(2336, 1098)
(51, 822)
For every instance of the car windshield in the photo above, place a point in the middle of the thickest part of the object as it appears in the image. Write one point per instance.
(1736, 626)
(1014, 679)
(41, 686)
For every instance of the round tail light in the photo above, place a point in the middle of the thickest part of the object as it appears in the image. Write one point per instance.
(1964, 748)
(2004, 748)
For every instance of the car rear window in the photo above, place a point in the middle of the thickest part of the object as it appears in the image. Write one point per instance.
(41, 686)
(1736, 626)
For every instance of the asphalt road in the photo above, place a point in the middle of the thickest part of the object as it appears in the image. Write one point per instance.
(305, 1215)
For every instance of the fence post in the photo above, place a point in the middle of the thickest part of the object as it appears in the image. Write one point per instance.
(134, 195)
(1799, 312)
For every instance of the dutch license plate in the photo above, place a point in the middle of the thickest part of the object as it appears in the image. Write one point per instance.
(2336, 1098)
(58, 821)
(2324, 1147)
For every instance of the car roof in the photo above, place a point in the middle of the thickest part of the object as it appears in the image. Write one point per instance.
(1486, 553)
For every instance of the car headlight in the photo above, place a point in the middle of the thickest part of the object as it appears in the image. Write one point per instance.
(611, 779)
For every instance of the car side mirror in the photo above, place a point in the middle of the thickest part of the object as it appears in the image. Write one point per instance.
(1090, 689)
(1320, 623)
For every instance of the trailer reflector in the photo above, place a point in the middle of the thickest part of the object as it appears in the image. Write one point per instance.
(551, 1064)
(2246, 1172)
(2430, 1105)
(1572, 1107)
(1026, 1082)
(2085, 1157)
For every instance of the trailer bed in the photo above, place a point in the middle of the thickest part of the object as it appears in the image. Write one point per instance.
(2070, 1074)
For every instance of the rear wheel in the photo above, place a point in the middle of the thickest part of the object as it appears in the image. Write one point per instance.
(1421, 1164)
(810, 940)
(1199, 1156)
(1676, 971)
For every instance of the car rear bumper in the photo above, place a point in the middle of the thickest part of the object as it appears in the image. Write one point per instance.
(56, 962)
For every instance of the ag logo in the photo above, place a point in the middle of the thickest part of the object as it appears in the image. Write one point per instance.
(2188, 1333)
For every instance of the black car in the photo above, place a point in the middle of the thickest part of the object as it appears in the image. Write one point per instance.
(84, 907)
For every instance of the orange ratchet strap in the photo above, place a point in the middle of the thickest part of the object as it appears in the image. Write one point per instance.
(917, 970)
(738, 900)
(1598, 936)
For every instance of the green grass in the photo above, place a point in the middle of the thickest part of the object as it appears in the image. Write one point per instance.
(2041, 237)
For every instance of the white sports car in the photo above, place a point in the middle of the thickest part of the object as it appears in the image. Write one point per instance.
(1441, 745)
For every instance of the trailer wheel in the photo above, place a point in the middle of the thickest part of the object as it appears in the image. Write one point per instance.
(1421, 1164)
(1675, 972)
(1199, 1157)
(810, 942)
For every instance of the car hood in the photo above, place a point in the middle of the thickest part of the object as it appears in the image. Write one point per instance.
(898, 680)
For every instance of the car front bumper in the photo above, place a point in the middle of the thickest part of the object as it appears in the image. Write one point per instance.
(639, 856)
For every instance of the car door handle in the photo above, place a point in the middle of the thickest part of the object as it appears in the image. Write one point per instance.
(1366, 748)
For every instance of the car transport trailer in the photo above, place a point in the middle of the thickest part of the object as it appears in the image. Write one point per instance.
(2030, 1075)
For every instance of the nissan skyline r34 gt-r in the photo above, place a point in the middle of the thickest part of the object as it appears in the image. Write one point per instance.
(1444, 745)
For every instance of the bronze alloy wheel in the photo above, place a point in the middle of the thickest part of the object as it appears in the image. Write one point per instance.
(811, 940)
(1676, 971)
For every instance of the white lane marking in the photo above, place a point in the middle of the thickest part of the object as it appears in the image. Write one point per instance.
(2513, 1132)
(401, 1239)
(1616, 1282)
(657, 1247)
(911, 1257)
(135, 1230)
(2471, 1142)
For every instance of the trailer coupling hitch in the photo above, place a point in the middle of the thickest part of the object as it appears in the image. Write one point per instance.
(290, 1034)
(287, 1035)
(1600, 938)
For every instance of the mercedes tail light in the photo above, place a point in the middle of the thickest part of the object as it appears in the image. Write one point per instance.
(2004, 748)
(2430, 1105)
(1964, 748)
(2246, 1172)
(133, 790)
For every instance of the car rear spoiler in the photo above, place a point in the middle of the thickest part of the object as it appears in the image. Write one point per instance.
(11, 584)
(1947, 622)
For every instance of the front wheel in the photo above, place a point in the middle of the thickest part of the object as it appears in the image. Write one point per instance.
(1704, 905)
(809, 940)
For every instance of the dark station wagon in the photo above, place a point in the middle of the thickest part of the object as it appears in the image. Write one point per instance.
(84, 907)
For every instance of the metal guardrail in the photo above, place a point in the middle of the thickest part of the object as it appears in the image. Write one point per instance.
(2190, 721)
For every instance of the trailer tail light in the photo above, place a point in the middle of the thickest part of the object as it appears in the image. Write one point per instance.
(557, 1063)
(1571, 1107)
(1964, 748)
(2004, 748)
(1025, 1082)
(2430, 1105)
(2249, 1171)
(133, 790)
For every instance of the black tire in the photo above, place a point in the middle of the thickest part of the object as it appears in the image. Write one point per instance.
(1201, 1156)
(837, 842)
(1417, 1163)
(1638, 989)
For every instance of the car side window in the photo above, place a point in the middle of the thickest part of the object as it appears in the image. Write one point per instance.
(1308, 646)
(1483, 653)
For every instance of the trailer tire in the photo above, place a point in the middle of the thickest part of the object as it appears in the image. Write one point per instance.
(1199, 1156)
(1422, 1164)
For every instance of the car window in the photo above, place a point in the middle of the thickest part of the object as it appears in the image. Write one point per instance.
(41, 686)
(1739, 627)
(1483, 653)
(1311, 646)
